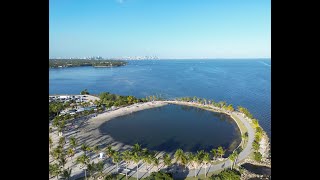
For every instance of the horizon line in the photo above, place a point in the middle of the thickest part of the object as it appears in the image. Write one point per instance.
(172, 58)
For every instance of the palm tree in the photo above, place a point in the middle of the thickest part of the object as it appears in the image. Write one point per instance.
(136, 148)
(136, 159)
(204, 101)
(233, 157)
(155, 162)
(109, 151)
(62, 161)
(110, 177)
(57, 152)
(66, 174)
(116, 158)
(199, 157)
(99, 168)
(195, 160)
(91, 168)
(167, 160)
(214, 153)
(220, 151)
(61, 127)
(85, 148)
(71, 152)
(180, 157)
(230, 108)
(145, 152)
(50, 142)
(54, 170)
(96, 149)
(84, 160)
(245, 138)
(221, 104)
(206, 160)
(212, 102)
(148, 160)
(62, 141)
(126, 155)
(73, 142)
(190, 159)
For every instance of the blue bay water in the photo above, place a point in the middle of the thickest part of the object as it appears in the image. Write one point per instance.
(239, 82)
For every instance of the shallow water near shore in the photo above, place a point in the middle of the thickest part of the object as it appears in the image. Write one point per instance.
(170, 127)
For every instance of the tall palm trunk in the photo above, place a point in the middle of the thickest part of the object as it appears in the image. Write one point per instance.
(205, 171)
(231, 165)
(137, 172)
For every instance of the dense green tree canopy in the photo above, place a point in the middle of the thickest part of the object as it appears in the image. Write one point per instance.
(54, 63)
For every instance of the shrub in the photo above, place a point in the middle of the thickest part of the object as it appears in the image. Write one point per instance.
(159, 176)
(255, 145)
(257, 156)
(227, 175)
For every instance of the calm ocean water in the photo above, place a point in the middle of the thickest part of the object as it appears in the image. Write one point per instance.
(239, 82)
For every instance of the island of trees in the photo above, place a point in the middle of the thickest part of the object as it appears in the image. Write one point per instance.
(56, 63)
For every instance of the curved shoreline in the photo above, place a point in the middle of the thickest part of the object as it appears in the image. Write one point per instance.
(89, 133)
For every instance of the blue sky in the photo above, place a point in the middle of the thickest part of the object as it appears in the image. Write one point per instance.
(163, 28)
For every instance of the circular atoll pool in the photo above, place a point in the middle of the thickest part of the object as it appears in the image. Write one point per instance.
(170, 127)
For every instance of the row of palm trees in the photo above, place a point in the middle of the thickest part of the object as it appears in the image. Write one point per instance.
(135, 155)
(198, 158)
(203, 101)
(60, 155)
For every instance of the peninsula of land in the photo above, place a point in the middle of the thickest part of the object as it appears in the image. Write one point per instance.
(254, 147)
(60, 63)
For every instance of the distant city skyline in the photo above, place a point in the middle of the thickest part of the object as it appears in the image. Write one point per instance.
(150, 58)
(166, 29)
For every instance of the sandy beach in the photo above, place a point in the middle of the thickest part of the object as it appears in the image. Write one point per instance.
(89, 133)
(101, 118)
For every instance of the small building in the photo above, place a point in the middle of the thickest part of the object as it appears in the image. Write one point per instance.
(64, 97)
(80, 110)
